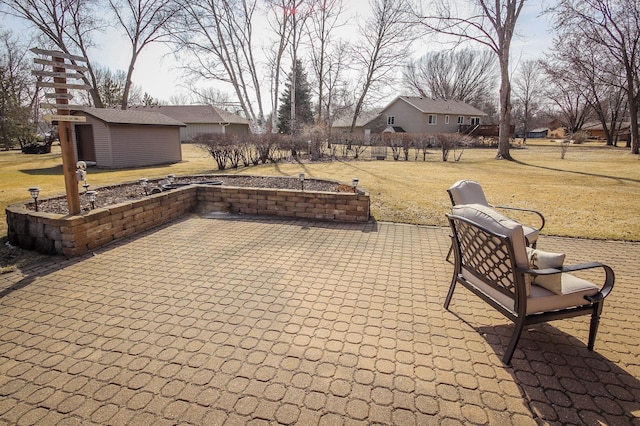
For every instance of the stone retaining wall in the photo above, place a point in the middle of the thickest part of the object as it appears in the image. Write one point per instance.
(74, 235)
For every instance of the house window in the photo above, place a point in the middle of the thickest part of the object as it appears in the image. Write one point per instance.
(475, 121)
(391, 120)
(460, 119)
(446, 119)
(432, 119)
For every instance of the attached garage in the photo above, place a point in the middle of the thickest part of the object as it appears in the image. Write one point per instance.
(123, 138)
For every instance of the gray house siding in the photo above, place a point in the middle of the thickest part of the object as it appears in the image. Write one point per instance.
(195, 129)
(237, 129)
(135, 146)
(404, 116)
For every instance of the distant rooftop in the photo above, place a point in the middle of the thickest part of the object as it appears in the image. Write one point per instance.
(191, 114)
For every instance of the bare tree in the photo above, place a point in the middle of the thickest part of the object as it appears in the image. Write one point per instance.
(180, 99)
(17, 93)
(587, 68)
(338, 94)
(567, 97)
(492, 24)
(144, 22)
(383, 45)
(465, 75)
(66, 24)
(615, 26)
(324, 20)
(529, 94)
(218, 98)
(111, 87)
(298, 15)
(216, 36)
(279, 22)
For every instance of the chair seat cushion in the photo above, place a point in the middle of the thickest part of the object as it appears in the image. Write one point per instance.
(574, 289)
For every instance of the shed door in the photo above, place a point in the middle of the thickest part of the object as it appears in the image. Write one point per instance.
(84, 142)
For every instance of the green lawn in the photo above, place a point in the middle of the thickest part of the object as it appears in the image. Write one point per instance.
(593, 193)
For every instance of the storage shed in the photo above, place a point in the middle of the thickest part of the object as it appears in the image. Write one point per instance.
(116, 138)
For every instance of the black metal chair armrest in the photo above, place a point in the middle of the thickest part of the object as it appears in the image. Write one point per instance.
(536, 212)
(604, 290)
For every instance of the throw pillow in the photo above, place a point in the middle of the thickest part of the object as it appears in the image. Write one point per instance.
(540, 259)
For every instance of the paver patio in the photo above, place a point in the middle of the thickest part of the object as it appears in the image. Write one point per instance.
(259, 321)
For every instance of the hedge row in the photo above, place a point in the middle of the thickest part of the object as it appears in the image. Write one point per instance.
(233, 151)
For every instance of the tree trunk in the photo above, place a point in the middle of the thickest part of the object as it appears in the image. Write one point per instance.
(505, 108)
(633, 113)
(129, 82)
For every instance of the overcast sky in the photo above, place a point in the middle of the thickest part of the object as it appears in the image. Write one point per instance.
(157, 72)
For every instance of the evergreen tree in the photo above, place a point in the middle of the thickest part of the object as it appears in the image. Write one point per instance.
(303, 111)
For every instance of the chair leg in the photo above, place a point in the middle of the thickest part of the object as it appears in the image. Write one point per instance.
(595, 322)
(452, 287)
(515, 337)
(449, 253)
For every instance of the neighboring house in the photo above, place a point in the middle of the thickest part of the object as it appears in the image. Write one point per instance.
(413, 114)
(201, 119)
(556, 129)
(115, 138)
(540, 132)
(343, 124)
(596, 131)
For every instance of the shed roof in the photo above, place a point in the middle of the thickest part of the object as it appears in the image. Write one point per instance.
(440, 106)
(118, 116)
(195, 114)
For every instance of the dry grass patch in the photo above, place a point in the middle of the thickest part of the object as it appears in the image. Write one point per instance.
(592, 193)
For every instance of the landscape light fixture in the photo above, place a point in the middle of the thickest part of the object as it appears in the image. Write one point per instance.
(171, 178)
(144, 182)
(92, 198)
(301, 177)
(355, 182)
(35, 193)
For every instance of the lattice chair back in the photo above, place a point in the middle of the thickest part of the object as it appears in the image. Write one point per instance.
(482, 255)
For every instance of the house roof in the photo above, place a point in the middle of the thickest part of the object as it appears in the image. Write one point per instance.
(596, 125)
(201, 114)
(118, 116)
(393, 129)
(364, 118)
(440, 106)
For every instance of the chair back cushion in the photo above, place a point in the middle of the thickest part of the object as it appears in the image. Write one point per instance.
(467, 192)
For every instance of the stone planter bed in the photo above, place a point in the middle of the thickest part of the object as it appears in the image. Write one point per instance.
(124, 210)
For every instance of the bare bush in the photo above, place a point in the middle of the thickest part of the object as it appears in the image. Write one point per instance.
(455, 142)
(580, 137)
(217, 145)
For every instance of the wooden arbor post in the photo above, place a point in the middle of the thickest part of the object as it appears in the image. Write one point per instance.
(63, 116)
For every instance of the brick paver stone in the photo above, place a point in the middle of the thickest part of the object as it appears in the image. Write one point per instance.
(261, 321)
